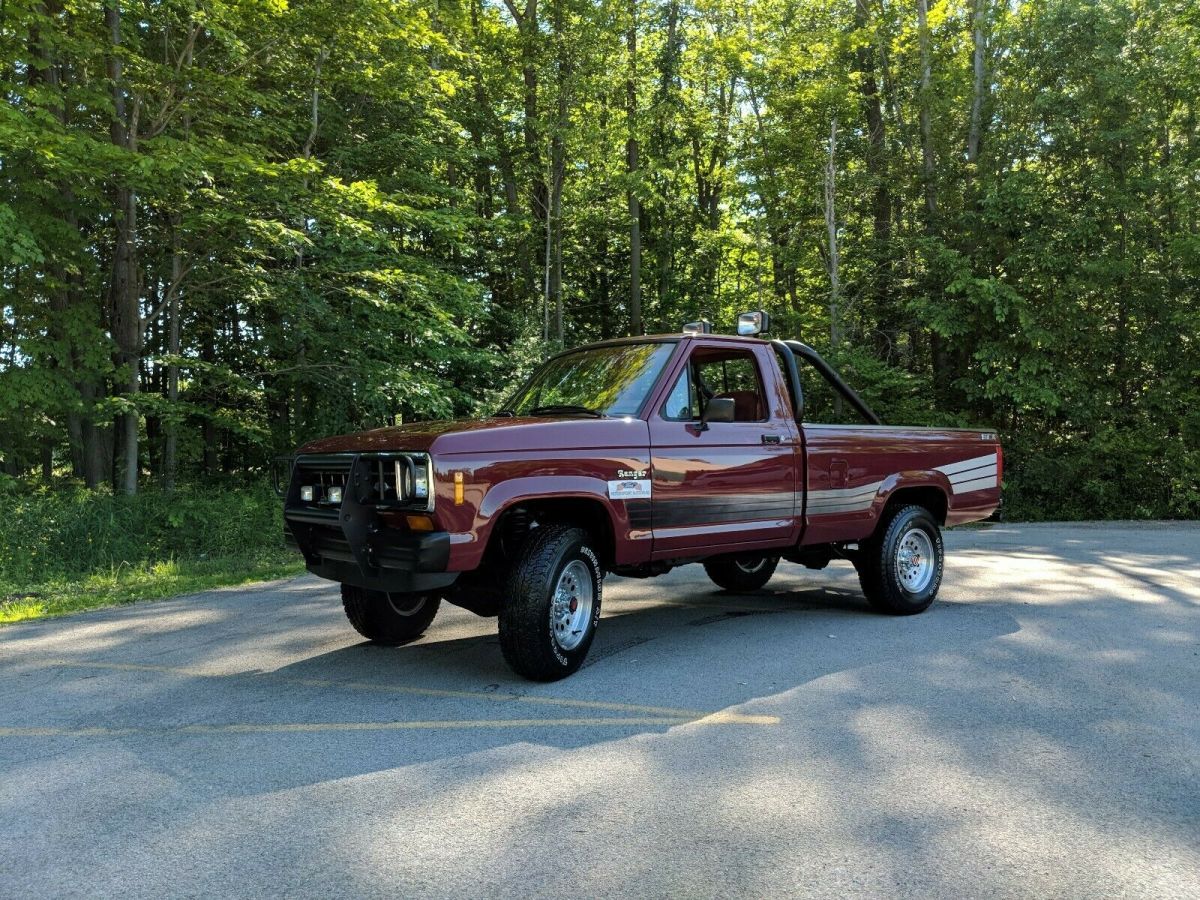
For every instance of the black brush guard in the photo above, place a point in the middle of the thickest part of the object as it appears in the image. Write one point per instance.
(350, 543)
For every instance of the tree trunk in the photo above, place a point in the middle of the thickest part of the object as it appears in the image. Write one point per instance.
(979, 87)
(927, 160)
(558, 173)
(832, 253)
(171, 441)
(123, 287)
(877, 168)
(527, 23)
(631, 163)
(64, 290)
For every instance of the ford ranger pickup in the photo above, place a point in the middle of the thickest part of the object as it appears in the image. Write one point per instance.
(630, 456)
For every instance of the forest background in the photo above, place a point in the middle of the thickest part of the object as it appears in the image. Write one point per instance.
(229, 227)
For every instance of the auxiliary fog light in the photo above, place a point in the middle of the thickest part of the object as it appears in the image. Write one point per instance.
(307, 494)
(334, 494)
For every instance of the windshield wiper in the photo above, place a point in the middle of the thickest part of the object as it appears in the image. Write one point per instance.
(565, 409)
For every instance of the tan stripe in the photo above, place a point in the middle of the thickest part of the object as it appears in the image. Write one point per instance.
(425, 725)
(187, 672)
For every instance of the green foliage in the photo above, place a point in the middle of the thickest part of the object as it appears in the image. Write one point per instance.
(68, 533)
(355, 212)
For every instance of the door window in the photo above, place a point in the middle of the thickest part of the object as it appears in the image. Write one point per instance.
(718, 373)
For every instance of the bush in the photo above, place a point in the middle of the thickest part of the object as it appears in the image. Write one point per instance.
(1111, 474)
(54, 535)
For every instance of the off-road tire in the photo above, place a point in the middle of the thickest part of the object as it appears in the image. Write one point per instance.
(878, 565)
(527, 638)
(744, 572)
(388, 619)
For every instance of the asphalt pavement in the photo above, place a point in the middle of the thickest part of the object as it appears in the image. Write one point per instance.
(1035, 734)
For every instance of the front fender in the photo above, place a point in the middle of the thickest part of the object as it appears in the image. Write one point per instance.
(467, 548)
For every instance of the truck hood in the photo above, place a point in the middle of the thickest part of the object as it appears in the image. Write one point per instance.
(491, 435)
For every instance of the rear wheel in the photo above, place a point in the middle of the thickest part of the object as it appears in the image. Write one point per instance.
(745, 572)
(552, 603)
(900, 568)
(388, 618)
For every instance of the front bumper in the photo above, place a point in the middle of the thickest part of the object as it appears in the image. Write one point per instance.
(351, 543)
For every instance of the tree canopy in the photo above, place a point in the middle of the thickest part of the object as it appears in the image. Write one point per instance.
(228, 227)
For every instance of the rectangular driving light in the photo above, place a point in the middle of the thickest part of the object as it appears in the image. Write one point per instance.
(334, 495)
(307, 493)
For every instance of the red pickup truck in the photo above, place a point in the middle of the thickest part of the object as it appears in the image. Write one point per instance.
(630, 456)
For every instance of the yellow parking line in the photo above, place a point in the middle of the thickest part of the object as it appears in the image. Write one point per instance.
(311, 727)
(658, 712)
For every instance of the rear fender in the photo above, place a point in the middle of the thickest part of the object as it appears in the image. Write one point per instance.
(923, 480)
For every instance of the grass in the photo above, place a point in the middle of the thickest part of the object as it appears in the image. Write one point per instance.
(154, 581)
(68, 549)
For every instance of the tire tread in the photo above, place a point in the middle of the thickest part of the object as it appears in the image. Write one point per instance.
(874, 576)
(523, 622)
(724, 573)
(372, 617)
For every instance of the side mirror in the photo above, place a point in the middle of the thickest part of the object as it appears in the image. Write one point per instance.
(718, 409)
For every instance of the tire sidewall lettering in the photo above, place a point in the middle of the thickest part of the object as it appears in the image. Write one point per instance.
(584, 552)
(597, 580)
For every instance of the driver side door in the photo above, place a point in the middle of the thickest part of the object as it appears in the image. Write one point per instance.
(730, 486)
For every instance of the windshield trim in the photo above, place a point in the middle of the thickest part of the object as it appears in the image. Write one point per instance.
(506, 406)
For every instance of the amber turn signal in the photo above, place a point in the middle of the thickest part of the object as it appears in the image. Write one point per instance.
(458, 488)
(419, 523)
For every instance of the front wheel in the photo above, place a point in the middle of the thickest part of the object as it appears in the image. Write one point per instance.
(745, 572)
(388, 618)
(900, 569)
(552, 604)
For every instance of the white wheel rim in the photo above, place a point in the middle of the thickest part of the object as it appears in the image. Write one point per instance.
(915, 560)
(571, 605)
(408, 605)
(751, 566)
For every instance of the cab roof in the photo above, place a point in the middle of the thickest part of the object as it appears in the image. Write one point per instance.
(662, 338)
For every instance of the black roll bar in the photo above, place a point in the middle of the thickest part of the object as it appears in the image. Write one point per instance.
(813, 358)
(793, 376)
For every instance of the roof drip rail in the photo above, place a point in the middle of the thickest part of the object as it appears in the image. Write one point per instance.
(815, 360)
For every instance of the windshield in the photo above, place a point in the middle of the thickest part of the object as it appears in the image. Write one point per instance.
(610, 381)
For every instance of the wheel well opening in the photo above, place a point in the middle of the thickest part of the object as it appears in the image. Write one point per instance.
(516, 523)
(932, 498)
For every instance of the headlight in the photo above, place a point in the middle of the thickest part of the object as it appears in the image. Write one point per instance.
(421, 483)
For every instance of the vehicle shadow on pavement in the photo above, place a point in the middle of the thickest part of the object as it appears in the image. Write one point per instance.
(654, 666)
(1037, 726)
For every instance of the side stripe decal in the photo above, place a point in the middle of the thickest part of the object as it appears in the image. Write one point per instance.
(977, 474)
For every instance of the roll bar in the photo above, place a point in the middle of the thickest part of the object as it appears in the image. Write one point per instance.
(814, 359)
(793, 377)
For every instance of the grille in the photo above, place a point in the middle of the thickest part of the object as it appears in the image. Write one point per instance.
(391, 479)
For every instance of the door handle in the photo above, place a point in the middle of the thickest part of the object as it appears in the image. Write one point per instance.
(771, 439)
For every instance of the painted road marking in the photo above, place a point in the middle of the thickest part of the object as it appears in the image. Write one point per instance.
(645, 715)
(317, 727)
